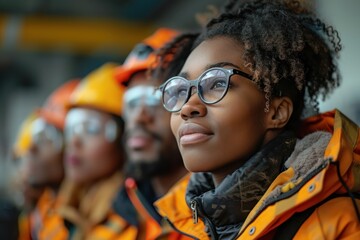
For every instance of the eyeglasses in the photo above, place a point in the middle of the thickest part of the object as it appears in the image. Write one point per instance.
(88, 125)
(212, 86)
(141, 96)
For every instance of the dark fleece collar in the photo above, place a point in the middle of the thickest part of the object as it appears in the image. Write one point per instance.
(228, 205)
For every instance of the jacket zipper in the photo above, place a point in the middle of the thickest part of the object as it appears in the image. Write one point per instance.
(196, 209)
(193, 206)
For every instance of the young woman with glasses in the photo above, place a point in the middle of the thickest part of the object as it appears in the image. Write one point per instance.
(258, 170)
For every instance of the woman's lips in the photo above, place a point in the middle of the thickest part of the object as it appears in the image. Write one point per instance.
(192, 133)
(193, 138)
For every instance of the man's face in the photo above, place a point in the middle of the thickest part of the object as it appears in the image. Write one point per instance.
(148, 137)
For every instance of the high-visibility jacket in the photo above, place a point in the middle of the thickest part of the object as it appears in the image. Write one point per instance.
(86, 215)
(148, 226)
(31, 222)
(338, 175)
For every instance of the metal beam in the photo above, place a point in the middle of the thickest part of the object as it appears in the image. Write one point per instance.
(79, 35)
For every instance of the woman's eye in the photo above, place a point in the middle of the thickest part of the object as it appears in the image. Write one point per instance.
(218, 84)
(171, 102)
(181, 92)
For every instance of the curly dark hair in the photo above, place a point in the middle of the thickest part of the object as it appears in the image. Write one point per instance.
(288, 49)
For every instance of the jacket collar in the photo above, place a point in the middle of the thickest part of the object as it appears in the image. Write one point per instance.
(86, 208)
(297, 188)
(227, 206)
(173, 207)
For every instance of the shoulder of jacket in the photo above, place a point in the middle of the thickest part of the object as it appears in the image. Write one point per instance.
(334, 219)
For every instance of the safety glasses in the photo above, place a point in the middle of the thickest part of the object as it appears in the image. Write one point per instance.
(45, 135)
(141, 96)
(87, 124)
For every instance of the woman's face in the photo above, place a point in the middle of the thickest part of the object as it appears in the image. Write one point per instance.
(220, 137)
(92, 151)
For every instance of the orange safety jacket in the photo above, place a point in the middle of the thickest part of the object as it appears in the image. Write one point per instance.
(44, 204)
(86, 215)
(149, 227)
(338, 173)
(30, 223)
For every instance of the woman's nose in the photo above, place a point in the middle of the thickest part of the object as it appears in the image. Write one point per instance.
(194, 107)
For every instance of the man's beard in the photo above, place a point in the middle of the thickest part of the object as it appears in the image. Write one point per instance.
(145, 170)
(165, 164)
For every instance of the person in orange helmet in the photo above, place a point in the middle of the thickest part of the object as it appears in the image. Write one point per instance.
(93, 162)
(153, 159)
(41, 150)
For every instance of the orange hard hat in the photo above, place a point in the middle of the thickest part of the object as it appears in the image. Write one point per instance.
(55, 108)
(100, 90)
(143, 55)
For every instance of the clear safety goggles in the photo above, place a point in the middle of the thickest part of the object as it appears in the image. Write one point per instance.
(142, 96)
(45, 135)
(87, 124)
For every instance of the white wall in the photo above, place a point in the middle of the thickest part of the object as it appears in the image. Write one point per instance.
(344, 16)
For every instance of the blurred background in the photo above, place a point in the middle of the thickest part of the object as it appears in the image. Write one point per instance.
(44, 43)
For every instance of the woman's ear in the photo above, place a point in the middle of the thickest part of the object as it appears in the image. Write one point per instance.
(280, 111)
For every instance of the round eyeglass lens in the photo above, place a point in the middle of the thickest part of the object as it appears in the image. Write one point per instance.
(175, 93)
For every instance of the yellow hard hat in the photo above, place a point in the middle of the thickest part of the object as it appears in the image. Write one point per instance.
(23, 139)
(99, 90)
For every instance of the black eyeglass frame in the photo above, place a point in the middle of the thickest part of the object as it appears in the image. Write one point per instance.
(196, 83)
